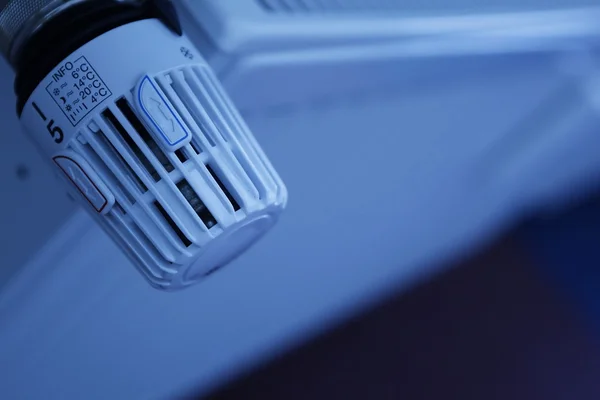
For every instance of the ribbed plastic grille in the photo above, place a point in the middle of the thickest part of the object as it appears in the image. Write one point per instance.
(199, 99)
(169, 203)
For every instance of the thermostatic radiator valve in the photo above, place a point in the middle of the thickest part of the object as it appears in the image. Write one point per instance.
(141, 131)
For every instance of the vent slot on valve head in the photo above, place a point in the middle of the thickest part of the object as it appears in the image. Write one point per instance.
(111, 153)
(199, 207)
(172, 224)
(227, 193)
(122, 194)
(120, 129)
(141, 130)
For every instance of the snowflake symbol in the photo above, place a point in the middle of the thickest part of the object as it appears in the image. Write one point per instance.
(56, 92)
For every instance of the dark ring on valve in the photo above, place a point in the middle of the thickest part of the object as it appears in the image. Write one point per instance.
(73, 28)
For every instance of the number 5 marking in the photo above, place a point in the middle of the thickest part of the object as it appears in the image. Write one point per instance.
(56, 132)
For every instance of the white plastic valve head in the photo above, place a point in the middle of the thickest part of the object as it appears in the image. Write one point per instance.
(145, 136)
